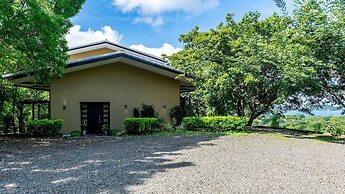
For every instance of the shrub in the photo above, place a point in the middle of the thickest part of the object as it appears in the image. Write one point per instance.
(44, 128)
(335, 126)
(167, 127)
(147, 111)
(105, 128)
(275, 121)
(215, 124)
(114, 132)
(75, 134)
(334, 130)
(139, 126)
(178, 113)
(316, 124)
(136, 113)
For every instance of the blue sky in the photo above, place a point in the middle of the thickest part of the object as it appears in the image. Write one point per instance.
(155, 25)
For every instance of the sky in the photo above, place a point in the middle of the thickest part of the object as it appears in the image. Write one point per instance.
(154, 26)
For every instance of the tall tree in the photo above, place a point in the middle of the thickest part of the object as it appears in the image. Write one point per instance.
(245, 67)
(279, 63)
(32, 39)
(320, 26)
(32, 35)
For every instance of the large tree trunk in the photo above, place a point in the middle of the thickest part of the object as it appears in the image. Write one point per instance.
(251, 119)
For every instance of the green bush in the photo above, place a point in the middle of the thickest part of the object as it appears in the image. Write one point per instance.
(139, 126)
(116, 131)
(275, 121)
(318, 124)
(167, 127)
(177, 113)
(75, 134)
(147, 111)
(336, 126)
(44, 128)
(215, 124)
(136, 113)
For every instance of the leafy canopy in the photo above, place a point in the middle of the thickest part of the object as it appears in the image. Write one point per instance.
(32, 35)
(254, 66)
(32, 38)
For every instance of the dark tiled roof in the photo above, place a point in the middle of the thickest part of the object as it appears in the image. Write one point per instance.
(124, 52)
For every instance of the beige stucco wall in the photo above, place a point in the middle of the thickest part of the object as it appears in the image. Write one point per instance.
(118, 83)
(90, 53)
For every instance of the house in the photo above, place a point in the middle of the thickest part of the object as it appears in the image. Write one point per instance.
(104, 82)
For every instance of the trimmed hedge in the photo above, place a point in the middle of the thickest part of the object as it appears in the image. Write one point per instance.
(44, 128)
(140, 126)
(215, 124)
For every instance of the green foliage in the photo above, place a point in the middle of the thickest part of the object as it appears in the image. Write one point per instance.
(177, 113)
(114, 132)
(32, 39)
(136, 113)
(32, 35)
(215, 124)
(139, 126)
(281, 4)
(308, 123)
(334, 130)
(44, 128)
(75, 134)
(105, 128)
(167, 127)
(318, 25)
(275, 121)
(252, 66)
(147, 111)
(336, 126)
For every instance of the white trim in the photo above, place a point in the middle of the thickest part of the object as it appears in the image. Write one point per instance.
(95, 47)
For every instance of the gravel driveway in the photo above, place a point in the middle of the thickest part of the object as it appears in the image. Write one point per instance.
(179, 164)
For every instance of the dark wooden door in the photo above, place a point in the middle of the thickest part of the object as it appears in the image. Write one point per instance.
(94, 118)
(94, 115)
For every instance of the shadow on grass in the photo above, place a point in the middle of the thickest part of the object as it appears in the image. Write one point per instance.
(323, 138)
(300, 134)
(95, 165)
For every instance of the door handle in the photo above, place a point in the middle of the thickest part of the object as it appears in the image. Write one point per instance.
(99, 119)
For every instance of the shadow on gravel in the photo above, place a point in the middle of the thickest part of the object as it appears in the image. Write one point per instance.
(97, 165)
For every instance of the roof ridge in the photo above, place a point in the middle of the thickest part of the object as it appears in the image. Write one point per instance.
(119, 46)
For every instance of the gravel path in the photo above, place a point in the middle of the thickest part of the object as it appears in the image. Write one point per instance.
(180, 164)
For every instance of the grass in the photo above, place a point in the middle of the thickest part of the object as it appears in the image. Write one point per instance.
(184, 132)
(278, 135)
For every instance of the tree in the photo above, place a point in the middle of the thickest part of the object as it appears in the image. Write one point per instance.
(32, 35)
(32, 39)
(280, 63)
(246, 67)
(320, 26)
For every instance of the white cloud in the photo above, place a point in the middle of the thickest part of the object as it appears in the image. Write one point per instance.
(155, 22)
(166, 48)
(150, 8)
(76, 37)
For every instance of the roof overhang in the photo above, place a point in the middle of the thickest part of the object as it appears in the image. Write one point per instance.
(26, 79)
